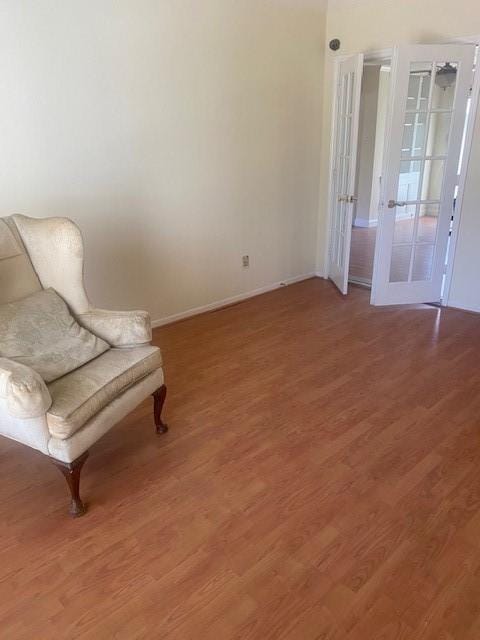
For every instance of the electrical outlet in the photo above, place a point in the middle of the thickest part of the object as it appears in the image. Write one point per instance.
(246, 261)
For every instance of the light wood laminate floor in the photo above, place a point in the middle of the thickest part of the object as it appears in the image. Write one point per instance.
(320, 480)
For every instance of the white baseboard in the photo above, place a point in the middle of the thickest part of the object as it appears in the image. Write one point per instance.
(365, 222)
(227, 301)
(453, 304)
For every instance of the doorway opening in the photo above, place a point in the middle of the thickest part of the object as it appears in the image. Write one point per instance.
(372, 121)
(402, 133)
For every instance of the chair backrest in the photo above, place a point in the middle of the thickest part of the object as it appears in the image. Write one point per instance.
(17, 275)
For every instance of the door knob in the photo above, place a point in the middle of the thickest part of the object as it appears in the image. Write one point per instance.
(394, 203)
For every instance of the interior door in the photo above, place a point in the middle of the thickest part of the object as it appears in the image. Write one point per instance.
(344, 151)
(430, 86)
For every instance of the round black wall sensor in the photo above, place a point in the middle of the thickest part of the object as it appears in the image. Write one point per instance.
(334, 44)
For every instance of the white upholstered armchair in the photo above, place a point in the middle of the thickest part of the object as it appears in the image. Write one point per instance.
(68, 372)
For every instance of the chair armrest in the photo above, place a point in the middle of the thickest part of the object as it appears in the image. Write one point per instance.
(23, 389)
(118, 328)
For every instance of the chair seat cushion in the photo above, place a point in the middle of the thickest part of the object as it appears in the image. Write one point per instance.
(39, 332)
(81, 394)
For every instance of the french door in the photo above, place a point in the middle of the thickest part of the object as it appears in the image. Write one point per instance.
(429, 91)
(347, 109)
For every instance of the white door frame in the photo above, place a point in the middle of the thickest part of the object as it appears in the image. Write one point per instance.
(376, 57)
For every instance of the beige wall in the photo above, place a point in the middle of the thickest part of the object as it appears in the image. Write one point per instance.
(179, 134)
(363, 25)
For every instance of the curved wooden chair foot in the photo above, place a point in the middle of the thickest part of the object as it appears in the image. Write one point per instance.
(71, 472)
(163, 428)
(77, 508)
(158, 400)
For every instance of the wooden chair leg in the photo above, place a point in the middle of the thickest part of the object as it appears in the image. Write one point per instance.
(71, 472)
(158, 400)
